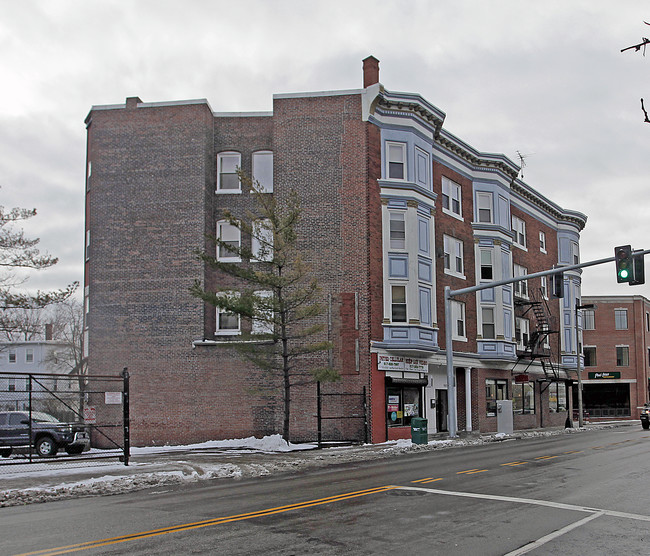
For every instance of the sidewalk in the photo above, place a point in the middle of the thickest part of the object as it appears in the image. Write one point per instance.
(154, 467)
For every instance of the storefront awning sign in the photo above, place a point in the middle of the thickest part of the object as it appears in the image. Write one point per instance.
(397, 363)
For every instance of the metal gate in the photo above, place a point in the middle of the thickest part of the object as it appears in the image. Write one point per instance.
(349, 421)
(63, 418)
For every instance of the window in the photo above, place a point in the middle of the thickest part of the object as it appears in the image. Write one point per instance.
(543, 287)
(522, 332)
(29, 355)
(12, 357)
(263, 322)
(397, 230)
(451, 199)
(458, 320)
(227, 322)
(495, 389)
(519, 231)
(542, 242)
(620, 319)
(588, 319)
(398, 306)
(523, 398)
(402, 404)
(262, 241)
(487, 321)
(396, 154)
(11, 385)
(557, 397)
(622, 356)
(263, 171)
(487, 272)
(484, 207)
(647, 322)
(87, 244)
(230, 242)
(453, 256)
(521, 287)
(590, 356)
(575, 251)
(422, 168)
(227, 178)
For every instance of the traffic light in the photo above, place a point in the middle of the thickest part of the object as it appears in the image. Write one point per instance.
(638, 270)
(624, 263)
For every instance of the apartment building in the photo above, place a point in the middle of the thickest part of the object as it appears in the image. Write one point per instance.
(394, 208)
(616, 348)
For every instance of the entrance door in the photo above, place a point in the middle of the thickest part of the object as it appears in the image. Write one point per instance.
(441, 411)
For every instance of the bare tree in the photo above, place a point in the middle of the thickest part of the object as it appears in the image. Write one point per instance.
(637, 48)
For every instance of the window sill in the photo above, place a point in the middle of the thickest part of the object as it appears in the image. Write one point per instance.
(453, 214)
(227, 191)
(455, 274)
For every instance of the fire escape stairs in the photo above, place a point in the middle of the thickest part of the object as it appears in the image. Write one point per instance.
(534, 347)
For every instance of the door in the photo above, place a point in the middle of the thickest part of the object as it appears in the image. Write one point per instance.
(441, 410)
(17, 430)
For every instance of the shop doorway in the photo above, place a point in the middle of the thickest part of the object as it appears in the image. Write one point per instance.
(441, 411)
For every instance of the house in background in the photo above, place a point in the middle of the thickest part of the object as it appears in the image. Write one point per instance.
(616, 348)
(394, 208)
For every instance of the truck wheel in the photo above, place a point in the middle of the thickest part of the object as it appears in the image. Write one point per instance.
(5, 452)
(74, 450)
(45, 447)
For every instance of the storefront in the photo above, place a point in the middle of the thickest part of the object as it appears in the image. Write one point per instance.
(605, 395)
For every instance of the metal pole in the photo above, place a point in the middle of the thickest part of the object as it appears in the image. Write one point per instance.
(126, 416)
(580, 419)
(451, 382)
(319, 417)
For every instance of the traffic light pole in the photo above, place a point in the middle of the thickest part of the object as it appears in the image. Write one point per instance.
(450, 294)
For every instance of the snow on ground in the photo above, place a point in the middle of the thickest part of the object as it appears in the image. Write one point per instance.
(234, 459)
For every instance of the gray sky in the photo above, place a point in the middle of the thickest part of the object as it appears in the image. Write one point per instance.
(546, 79)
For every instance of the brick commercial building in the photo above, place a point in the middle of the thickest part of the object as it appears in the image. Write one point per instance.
(616, 348)
(395, 208)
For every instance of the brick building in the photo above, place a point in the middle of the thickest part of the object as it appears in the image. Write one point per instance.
(616, 348)
(395, 207)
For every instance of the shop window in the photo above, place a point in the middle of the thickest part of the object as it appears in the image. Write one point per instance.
(495, 389)
(523, 398)
(622, 356)
(557, 397)
(590, 356)
(403, 403)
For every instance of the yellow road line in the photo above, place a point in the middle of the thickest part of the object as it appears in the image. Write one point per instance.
(471, 471)
(422, 480)
(546, 457)
(431, 480)
(513, 463)
(209, 522)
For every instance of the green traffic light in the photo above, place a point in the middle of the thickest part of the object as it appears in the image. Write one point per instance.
(623, 273)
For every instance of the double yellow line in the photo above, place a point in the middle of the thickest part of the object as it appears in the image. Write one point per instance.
(207, 523)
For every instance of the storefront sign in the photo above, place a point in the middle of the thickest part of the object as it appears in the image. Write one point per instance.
(416, 365)
(520, 379)
(390, 363)
(612, 375)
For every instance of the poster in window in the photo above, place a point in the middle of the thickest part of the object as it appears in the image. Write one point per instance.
(393, 400)
(410, 410)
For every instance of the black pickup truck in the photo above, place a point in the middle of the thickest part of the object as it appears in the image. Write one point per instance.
(48, 434)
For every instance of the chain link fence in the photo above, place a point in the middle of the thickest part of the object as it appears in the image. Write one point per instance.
(55, 420)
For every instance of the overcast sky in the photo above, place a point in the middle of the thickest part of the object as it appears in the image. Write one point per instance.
(546, 79)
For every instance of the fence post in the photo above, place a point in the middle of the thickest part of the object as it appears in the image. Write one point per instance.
(126, 416)
(365, 417)
(318, 415)
(29, 394)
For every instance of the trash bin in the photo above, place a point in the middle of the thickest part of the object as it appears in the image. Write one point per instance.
(419, 432)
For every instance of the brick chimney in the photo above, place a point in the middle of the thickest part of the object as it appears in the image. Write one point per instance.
(370, 71)
(49, 332)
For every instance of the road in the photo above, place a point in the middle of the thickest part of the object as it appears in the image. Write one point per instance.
(574, 494)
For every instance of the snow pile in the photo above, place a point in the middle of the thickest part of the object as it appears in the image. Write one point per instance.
(267, 444)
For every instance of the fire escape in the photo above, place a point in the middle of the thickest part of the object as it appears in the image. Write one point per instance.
(537, 342)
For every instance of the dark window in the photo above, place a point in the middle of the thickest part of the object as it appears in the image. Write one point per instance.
(402, 404)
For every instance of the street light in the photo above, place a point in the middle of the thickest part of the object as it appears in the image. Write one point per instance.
(578, 354)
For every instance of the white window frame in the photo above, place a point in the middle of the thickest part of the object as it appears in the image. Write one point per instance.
(12, 356)
(401, 147)
(394, 304)
(452, 193)
(484, 205)
(221, 157)
(488, 311)
(262, 241)
(453, 256)
(520, 288)
(29, 355)
(226, 331)
(575, 252)
(225, 225)
(482, 265)
(522, 332)
(620, 319)
(458, 317)
(265, 326)
(519, 232)
(543, 286)
(262, 165)
(395, 241)
(542, 242)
